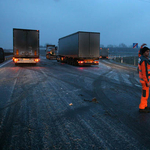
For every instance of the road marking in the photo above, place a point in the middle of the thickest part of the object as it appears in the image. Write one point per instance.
(138, 85)
(106, 61)
(5, 63)
(43, 73)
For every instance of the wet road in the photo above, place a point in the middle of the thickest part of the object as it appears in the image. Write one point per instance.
(49, 106)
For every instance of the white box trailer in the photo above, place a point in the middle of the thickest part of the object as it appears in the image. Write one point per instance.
(25, 46)
(80, 48)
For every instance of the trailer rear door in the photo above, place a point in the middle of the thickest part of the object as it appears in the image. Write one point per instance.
(94, 44)
(84, 41)
(89, 44)
(26, 43)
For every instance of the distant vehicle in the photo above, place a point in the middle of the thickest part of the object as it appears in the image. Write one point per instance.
(80, 48)
(25, 46)
(2, 55)
(51, 51)
(104, 52)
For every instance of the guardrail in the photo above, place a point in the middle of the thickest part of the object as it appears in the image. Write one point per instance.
(8, 57)
(132, 60)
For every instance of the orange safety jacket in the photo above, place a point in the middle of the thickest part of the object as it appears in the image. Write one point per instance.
(144, 69)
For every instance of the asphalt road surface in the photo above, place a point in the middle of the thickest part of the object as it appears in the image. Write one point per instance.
(58, 106)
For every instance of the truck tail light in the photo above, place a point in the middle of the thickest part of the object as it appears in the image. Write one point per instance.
(62, 58)
(15, 60)
(35, 53)
(96, 62)
(37, 60)
(80, 62)
(17, 52)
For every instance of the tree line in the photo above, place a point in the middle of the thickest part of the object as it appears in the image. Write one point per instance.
(121, 45)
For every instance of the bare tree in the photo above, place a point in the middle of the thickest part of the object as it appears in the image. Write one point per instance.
(130, 46)
(110, 45)
(122, 45)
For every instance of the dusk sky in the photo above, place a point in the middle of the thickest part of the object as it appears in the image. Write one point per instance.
(118, 21)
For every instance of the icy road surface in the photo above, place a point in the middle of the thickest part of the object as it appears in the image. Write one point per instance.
(49, 106)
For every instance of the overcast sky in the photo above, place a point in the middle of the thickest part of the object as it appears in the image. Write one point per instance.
(118, 21)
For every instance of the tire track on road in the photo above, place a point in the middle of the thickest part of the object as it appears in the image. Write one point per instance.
(12, 110)
(123, 117)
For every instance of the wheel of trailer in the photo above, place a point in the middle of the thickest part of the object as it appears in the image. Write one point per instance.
(75, 62)
(71, 61)
(49, 56)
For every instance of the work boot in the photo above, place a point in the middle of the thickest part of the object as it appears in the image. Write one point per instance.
(148, 108)
(144, 110)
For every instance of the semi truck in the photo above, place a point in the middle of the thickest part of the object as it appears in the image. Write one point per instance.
(80, 48)
(104, 52)
(51, 51)
(25, 46)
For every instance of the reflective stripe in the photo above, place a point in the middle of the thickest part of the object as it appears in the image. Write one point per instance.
(148, 69)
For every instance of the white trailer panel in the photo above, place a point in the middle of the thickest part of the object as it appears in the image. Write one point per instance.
(80, 44)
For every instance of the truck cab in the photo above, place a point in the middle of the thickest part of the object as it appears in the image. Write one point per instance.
(51, 52)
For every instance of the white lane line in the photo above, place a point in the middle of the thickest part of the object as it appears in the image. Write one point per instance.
(106, 61)
(5, 63)
(138, 85)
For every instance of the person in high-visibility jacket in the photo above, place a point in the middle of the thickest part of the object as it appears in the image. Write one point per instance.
(144, 75)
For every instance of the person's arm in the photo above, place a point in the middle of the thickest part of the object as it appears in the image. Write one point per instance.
(143, 69)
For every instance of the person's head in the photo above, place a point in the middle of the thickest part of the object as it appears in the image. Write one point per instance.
(145, 51)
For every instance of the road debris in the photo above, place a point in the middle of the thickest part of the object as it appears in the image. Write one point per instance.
(70, 104)
(93, 100)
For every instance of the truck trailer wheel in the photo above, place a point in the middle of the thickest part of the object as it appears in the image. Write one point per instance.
(49, 56)
(75, 62)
